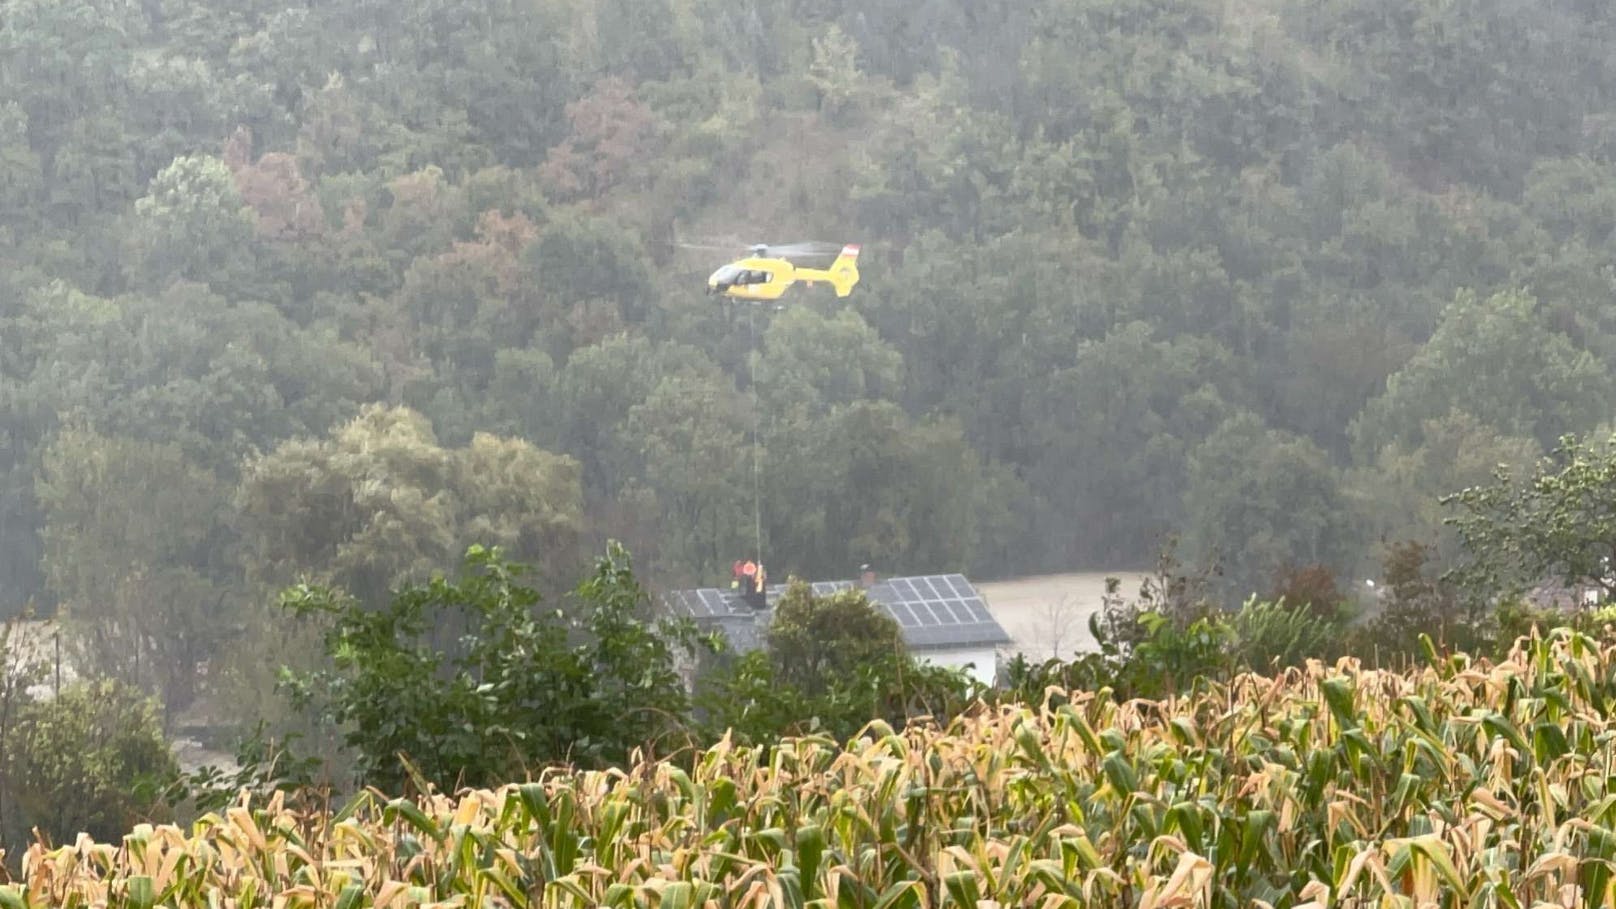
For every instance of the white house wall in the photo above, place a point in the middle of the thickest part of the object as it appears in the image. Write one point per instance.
(984, 658)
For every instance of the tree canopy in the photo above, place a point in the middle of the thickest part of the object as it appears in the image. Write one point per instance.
(339, 290)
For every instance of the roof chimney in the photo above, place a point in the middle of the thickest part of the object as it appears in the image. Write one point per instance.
(866, 577)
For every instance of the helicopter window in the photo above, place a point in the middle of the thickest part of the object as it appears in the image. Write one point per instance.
(729, 274)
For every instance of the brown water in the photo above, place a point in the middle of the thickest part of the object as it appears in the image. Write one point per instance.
(1048, 615)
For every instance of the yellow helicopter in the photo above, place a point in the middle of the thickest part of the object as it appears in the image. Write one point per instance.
(768, 271)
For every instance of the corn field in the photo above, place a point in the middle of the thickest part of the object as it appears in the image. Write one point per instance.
(1459, 784)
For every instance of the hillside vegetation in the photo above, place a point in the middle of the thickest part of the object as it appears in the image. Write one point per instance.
(1273, 275)
(300, 305)
(1458, 784)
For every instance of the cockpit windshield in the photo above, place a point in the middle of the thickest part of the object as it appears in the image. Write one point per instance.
(725, 275)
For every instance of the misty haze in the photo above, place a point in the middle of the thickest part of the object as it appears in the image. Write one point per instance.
(1085, 440)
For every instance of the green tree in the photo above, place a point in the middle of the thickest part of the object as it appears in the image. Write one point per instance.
(692, 438)
(23, 182)
(595, 389)
(866, 483)
(1573, 198)
(1493, 358)
(1112, 434)
(1468, 93)
(830, 663)
(185, 367)
(91, 759)
(1260, 499)
(815, 641)
(1553, 523)
(380, 502)
(810, 362)
(522, 687)
(136, 549)
(589, 278)
(193, 226)
(1400, 493)
(844, 91)
(1415, 599)
(66, 64)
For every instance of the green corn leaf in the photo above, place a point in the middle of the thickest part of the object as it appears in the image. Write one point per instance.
(576, 890)
(141, 894)
(1187, 817)
(810, 849)
(1433, 850)
(350, 896)
(1339, 695)
(1255, 834)
(681, 895)
(961, 887)
(1030, 745)
(415, 817)
(536, 802)
(1084, 730)
(1595, 870)
(1498, 724)
(1549, 743)
(1119, 773)
(902, 895)
(513, 893)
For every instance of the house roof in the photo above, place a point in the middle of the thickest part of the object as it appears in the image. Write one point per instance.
(933, 611)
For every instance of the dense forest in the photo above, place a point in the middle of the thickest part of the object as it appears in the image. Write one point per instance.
(335, 290)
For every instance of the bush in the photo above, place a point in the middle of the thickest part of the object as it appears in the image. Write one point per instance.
(831, 664)
(1273, 635)
(91, 760)
(523, 687)
(1414, 602)
(816, 643)
(1310, 587)
(1152, 653)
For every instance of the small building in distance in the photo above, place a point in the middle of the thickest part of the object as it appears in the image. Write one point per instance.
(1567, 598)
(943, 618)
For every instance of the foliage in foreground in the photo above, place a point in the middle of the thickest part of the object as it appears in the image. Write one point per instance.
(473, 683)
(1174, 632)
(1551, 524)
(1461, 783)
(90, 758)
(829, 664)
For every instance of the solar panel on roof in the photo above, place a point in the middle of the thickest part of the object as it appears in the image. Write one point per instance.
(932, 610)
(706, 603)
(932, 601)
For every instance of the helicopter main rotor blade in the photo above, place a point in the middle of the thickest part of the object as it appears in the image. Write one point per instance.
(787, 250)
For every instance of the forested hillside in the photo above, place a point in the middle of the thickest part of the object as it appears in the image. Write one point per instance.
(340, 288)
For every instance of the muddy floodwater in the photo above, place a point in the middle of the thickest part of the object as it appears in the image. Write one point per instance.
(1048, 615)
